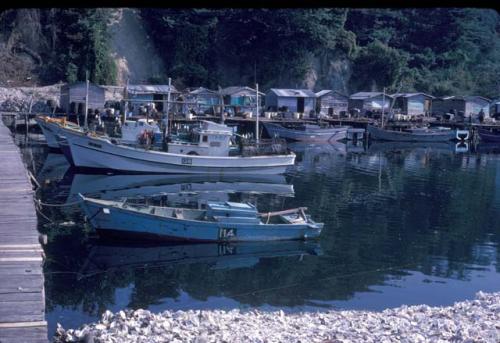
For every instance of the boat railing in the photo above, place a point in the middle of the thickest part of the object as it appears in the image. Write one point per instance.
(273, 146)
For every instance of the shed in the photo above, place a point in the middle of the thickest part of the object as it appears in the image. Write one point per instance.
(294, 100)
(468, 105)
(331, 102)
(73, 97)
(369, 102)
(241, 99)
(202, 100)
(144, 95)
(413, 103)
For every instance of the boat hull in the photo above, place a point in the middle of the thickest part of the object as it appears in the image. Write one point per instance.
(310, 135)
(397, 136)
(122, 222)
(488, 136)
(99, 153)
(50, 131)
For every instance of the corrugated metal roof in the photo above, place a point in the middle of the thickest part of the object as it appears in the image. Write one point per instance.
(326, 91)
(293, 93)
(409, 95)
(202, 90)
(150, 89)
(465, 98)
(367, 95)
(235, 89)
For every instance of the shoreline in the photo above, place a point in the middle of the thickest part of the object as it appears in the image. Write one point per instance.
(475, 320)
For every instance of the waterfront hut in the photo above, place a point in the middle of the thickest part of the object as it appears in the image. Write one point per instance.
(369, 102)
(144, 95)
(413, 104)
(241, 99)
(468, 106)
(72, 98)
(329, 102)
(202, 100)
(291, 100)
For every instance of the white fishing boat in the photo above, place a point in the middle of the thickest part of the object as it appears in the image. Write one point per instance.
(219, 222)
(208, 155)
(307, 132)
(132, 131)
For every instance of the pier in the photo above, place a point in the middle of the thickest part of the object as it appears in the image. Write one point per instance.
(22, 295)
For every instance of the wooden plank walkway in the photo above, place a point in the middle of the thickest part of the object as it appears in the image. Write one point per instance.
(22, 294)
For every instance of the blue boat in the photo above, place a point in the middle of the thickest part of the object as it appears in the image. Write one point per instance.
(220, 222)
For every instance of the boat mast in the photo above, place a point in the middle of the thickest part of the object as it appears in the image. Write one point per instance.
(168, 103)
(86, 126)
(383, 106)
(257, 113)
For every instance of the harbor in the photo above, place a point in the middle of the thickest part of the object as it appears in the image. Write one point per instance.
(332, 180)
(249, 175)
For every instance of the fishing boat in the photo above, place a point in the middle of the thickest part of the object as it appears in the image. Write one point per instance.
(219, 222)
(132, 131)
(307, 132)
(439, 134)
(51, 127)
(490, 136)
(209, 153)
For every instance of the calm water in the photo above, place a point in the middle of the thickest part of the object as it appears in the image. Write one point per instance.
(404, 224)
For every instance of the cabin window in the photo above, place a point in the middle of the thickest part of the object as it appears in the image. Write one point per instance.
(205, 138)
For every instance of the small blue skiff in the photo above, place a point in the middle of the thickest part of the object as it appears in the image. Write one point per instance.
(220, 222)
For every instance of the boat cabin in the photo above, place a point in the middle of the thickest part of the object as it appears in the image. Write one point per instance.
(131, 130)
(211, 139)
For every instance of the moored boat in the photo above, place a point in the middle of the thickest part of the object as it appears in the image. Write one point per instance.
(489, 135)
(51, 127)
(415, 134)
(220, 222)
(307, 132)
(209, 155)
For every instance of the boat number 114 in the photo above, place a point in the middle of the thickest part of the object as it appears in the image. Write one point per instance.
(225, 234)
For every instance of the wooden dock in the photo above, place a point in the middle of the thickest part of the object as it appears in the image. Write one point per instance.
(22, 294)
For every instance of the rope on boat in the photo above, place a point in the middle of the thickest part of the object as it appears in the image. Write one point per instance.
(39, 202)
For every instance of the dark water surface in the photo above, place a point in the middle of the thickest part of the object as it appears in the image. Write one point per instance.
(404, 224)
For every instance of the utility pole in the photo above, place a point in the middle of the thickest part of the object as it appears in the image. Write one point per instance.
(86, 126)
(257, 113)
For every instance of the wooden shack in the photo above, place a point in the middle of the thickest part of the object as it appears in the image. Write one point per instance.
(241, 99)
(466, 105)
(72, 98)
(144, 95)
(202, 100)
(330, 102)
(291, 100)
(412, 103)
(369, 102)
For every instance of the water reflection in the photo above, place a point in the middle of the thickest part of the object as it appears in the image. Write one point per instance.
(404, 224)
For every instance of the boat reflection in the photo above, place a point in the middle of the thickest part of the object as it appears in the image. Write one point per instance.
(104, 256)
(53, 169)
(447, 147)
(182, 187)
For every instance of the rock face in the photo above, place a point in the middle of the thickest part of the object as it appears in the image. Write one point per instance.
(18, 99)
(132, 49)
(469, 321)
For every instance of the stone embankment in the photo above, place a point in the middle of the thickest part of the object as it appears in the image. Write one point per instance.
(468, 321)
